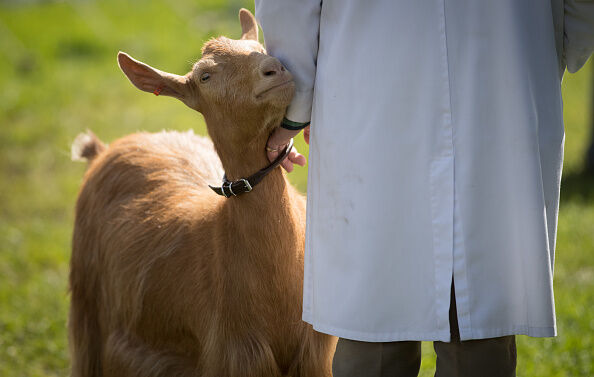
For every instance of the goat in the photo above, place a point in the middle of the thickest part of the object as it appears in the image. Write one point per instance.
(169, 279)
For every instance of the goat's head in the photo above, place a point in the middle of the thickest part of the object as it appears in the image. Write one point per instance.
(235, 85)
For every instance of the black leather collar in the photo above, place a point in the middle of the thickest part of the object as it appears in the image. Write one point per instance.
(243, 185)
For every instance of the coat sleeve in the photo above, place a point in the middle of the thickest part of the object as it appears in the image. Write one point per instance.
(291, 29)
(578, 33)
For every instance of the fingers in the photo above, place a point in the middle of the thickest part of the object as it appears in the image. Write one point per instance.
(287, 165)
(297, 158)
(277, 141)
(293, 158)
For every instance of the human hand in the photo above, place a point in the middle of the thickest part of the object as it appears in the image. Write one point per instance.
(277, 141)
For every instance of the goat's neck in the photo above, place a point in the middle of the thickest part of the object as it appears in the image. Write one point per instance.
(242, 155)
(267, 220)
(269, 202)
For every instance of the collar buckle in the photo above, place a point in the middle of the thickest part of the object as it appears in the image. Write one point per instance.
(254, 178)
(248, 187)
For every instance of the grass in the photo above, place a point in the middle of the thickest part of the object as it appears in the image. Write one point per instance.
(59, 76)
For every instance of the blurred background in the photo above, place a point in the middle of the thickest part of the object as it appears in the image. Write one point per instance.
(59, 77)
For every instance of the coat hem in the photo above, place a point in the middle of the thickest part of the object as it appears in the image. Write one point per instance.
(534, 332)
(378, 337)
(442, 336)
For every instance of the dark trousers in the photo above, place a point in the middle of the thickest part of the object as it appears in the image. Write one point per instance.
(494, 357)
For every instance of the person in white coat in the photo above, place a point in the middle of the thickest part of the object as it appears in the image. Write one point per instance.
(434, 172)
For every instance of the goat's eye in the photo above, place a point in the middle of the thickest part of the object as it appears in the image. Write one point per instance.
(204, 77)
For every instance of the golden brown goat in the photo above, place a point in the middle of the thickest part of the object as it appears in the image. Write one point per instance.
(170, 279)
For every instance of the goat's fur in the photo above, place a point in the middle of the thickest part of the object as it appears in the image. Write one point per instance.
(169, 279)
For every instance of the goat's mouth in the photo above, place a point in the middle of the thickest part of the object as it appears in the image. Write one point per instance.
(274, 87)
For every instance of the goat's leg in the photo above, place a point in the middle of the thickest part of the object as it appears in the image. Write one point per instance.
(238, 355)
(128, 356)
(315, 355)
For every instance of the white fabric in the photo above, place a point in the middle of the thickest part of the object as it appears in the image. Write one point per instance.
(436, 151)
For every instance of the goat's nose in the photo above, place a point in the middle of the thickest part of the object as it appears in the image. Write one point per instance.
(271, 67)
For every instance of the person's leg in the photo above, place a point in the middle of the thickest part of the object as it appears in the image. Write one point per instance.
(383, 359)
(494, 357)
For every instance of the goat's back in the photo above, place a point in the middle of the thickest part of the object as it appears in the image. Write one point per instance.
(141, 199)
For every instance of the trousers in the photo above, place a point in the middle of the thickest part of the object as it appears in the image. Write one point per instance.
(493, 357)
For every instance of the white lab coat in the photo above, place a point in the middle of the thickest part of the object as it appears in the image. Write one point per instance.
(436, 152)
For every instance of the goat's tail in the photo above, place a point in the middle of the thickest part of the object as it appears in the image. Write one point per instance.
(86, 147)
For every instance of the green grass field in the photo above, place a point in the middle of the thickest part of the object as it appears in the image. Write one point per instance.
(58, 77)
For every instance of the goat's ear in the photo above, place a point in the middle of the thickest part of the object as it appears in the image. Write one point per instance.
(149, 79)
(249, 26)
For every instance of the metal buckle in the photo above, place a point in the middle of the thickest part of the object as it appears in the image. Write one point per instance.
(223, 189)
(230, 190)
(247, 184)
